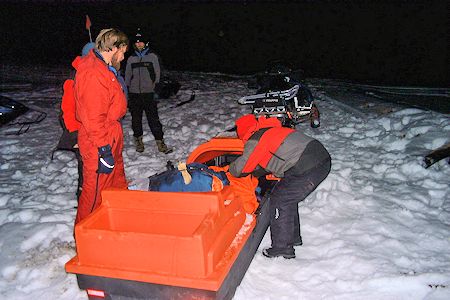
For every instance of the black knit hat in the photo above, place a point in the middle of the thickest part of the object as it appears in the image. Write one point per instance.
(140, 37)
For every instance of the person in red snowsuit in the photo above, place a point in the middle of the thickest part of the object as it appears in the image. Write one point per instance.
(100, 104)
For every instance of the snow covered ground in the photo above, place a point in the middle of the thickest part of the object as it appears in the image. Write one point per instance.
(377, 228)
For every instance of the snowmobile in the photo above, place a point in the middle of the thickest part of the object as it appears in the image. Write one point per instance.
(10, 109)
(14, 113)
(171, 245)
(281, 94)
(167, 87)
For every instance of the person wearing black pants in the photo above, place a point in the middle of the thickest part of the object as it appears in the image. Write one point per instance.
(142, 73)
(139, 103)
(301, 162)
(287, 193)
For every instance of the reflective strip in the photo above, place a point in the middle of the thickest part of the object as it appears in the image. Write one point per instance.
(106, 164)
(96, 293)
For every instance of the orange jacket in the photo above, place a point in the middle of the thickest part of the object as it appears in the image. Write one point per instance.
(243, 188)
(68, 102)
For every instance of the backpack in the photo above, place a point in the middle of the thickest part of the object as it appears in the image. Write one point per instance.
(69, 125)
(203, 180)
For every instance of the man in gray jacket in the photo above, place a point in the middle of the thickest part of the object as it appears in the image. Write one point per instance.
(300, 161)
(142, 73)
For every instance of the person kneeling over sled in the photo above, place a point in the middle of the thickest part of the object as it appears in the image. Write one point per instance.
(301, 163)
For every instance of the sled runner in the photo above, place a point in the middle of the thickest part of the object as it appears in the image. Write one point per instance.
(170, 245)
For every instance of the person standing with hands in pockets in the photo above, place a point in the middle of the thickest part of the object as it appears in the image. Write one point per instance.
(100, 104)
(142, 73)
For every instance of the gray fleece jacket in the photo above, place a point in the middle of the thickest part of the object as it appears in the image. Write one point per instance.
(142, 72)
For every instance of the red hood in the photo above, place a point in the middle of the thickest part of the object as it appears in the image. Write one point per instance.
(247, 125)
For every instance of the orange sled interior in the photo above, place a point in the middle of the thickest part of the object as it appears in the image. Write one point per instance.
(179, 239)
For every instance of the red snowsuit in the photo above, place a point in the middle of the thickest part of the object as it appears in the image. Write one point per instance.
(100, 104)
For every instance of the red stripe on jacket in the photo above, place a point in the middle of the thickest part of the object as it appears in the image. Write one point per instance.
(267, 146)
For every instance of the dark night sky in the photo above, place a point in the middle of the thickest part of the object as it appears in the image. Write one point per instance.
(393, 42)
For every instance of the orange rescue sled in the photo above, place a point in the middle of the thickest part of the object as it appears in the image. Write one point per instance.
(170, 245)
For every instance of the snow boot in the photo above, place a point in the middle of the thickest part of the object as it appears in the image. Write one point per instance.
(298, 241)
(162, 147)
(139, 144)
(287, 253)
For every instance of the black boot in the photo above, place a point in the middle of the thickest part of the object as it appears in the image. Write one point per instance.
(287, 253)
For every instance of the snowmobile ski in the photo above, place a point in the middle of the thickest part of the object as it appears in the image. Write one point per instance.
(191, 98)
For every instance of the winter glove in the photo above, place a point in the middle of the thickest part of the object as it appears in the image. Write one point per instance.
(105, 160)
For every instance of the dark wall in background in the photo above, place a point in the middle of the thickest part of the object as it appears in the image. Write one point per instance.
(395, 42)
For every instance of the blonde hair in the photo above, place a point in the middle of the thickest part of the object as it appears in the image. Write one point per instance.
(109, 38)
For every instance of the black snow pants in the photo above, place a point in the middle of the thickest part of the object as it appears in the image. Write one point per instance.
(287, 193)
(138, 103)
(68, 141)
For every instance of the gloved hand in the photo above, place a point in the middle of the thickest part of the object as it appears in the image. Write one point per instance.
(105, 160)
